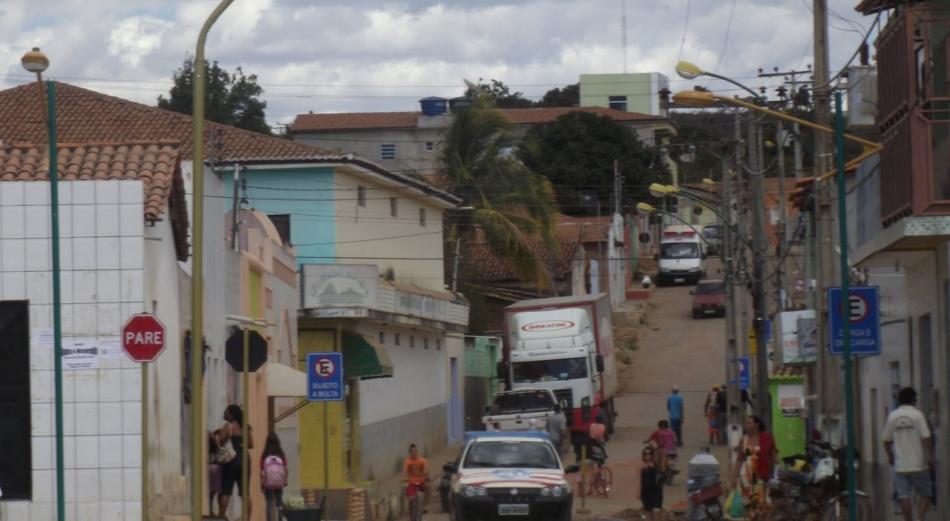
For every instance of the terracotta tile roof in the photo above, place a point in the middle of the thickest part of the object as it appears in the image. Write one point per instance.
(393, 120)
(156, 164)
(481, 265)
(590, 229)
(571, 232)
(86, 116)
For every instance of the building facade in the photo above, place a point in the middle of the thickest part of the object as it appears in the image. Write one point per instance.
(629, 92)
(409, 142)
(120, 243)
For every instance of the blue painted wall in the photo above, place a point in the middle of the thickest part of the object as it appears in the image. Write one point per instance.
(307, 194)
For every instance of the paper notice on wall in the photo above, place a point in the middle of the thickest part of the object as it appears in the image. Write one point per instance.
(42, 338)
(80, 353)
(110, 348)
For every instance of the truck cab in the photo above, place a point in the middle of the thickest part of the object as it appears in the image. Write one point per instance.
(682, 257)
(556, 350)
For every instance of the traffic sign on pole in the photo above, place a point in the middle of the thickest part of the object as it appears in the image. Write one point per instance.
(143, 337)
(863, 310)
(325, 377)
(742, 369)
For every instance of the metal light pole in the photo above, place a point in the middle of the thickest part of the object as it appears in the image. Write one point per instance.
(197, 265)
(845, 287)
(36, 62)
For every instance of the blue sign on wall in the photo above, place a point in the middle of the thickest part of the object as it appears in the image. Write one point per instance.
(325, 377)
(742, 369)
(863, 310)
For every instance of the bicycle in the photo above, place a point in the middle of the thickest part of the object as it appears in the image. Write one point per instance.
(415, 492)
(602, 476)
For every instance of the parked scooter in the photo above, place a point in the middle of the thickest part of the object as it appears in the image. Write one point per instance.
(445, 484)
(704, 488)
(815, 485)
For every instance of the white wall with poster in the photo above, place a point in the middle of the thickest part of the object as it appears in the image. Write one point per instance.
(105, 264)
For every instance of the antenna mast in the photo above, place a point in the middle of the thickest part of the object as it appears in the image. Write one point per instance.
(623, 30)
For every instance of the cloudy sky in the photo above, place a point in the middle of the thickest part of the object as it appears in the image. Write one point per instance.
(369, 55)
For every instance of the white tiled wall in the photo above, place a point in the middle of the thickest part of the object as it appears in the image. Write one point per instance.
(102, 245)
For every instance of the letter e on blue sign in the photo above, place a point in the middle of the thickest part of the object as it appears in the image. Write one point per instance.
(863, 312)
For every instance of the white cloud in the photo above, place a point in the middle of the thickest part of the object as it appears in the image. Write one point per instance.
(344, 55)
(135, 38)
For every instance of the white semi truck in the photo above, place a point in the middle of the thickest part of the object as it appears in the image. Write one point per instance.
(564, 344)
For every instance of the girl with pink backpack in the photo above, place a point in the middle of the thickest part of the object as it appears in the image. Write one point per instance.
(273, 476)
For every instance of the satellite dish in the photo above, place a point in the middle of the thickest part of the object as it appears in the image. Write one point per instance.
(470, 85)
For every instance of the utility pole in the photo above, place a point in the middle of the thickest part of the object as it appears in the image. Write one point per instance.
(618, 186)
(760, 250)
(827, 374)
(733, 397)
(781, 248)
(794, 84)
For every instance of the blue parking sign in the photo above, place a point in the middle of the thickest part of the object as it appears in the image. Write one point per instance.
(325, 377)
(742, 369)
(863, 311)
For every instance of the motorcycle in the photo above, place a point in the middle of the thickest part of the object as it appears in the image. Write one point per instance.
(445, 484)
(706, 503)
(815, 485)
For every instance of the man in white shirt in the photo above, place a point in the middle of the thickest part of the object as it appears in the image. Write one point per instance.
(910, 450)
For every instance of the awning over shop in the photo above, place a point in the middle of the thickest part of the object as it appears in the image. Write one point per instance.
(285, 381)
(363, 358)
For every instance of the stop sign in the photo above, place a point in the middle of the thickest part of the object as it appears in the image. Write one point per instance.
(143, 338)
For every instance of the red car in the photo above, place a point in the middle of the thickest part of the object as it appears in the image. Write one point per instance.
(709, 299)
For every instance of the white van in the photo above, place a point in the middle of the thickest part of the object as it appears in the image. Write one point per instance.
(682, 256)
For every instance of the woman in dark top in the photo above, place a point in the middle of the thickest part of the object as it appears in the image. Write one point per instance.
(651, 486)
(231, 475)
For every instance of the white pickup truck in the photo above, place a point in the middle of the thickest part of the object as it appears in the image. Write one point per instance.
(520, 410)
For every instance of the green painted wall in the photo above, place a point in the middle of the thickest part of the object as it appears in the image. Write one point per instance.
(640, 88)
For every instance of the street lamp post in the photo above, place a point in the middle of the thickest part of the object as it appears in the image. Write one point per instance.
(36, 62)
(197, 265)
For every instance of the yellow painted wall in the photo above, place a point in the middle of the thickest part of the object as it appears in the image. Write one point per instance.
(311, 423)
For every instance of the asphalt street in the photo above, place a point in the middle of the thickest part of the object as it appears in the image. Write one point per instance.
(673, 348)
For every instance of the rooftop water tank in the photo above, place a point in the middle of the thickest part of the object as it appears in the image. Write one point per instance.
(433, 106)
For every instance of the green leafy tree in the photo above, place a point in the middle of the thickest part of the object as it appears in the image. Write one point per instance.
(568, 96)
(576, 152)
(499, 95)
(230, 98)
(513, 206)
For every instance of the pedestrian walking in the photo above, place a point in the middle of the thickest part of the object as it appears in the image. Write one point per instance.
(674, 406)
(232, 432)
(722, 413)
(756, 461)
(651, 486)
(273, 476)
(711, 411)
(556, 426)
(910, 450)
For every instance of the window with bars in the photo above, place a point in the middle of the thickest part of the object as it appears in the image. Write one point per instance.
(618, 103)
(361, 196)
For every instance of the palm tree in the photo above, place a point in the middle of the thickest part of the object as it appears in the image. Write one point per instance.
(513, 206)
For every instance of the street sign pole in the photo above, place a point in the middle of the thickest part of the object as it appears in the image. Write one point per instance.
(247, 409)
(325, 384)
(845, 303)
